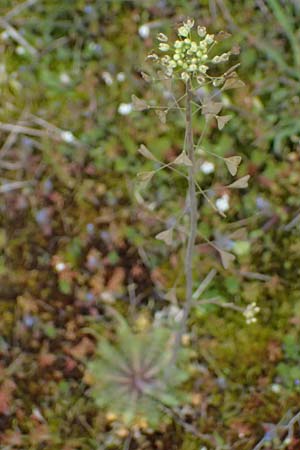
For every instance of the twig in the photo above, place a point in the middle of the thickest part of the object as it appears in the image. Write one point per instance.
(21, 129)
(18, 37)
(207, 280)
(12, 186)
(292, 223)
(17, 9)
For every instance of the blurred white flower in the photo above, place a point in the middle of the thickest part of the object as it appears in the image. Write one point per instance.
(60, 266)
(107, 78)
(64, 78)
(250, 312)
(67, 136)
(222, 203)
(144, 31)
(207, 167)
(125, 108)
(20, 50)
(121, 77)
(276, 388)
(4, 35)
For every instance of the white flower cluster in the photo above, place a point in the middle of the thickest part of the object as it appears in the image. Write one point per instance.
(250, 313)
(186, 56)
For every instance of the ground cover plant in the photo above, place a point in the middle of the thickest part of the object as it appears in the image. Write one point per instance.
(86, 268)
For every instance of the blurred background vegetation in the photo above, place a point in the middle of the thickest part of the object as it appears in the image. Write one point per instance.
(77, 232)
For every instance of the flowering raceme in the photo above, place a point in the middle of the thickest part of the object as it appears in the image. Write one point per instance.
(189, 56)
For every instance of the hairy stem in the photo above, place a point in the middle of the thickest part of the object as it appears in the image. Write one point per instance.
(192, 201)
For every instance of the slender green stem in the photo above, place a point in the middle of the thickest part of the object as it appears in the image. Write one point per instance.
(192, 200)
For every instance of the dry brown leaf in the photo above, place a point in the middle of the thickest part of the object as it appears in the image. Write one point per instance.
(226, 258)
(143, 150)
(183, 159)
(138, 104)
(162, 115)
(166, 236)
(212, 108)
(222, 120)
(145, 177)
(241, 183)
(233, 163)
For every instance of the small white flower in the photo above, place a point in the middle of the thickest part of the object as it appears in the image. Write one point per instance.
(144, 31)
(222, 203)
(64, 78)
(107, 78)
(192, 68)
(250, 312)
(59, 267)
(121, 77)
(207, 167)
(67, 136)
(125, 108)
(183, 31)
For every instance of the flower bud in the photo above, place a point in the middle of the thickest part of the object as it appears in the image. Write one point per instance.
(203, 69)
(201, 31)
(183, 31)
(192, 68)
(185, 76)
(178, 44)
(162, 37)
(164, 47)
(209, 38)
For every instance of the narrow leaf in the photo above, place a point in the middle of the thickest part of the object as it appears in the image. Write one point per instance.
(212, 108)
(233, 163)
(241, 183)
(226, 258)
(183, 159)
(222, 120)
(139, 104)
(146, 153)
(166, 236)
